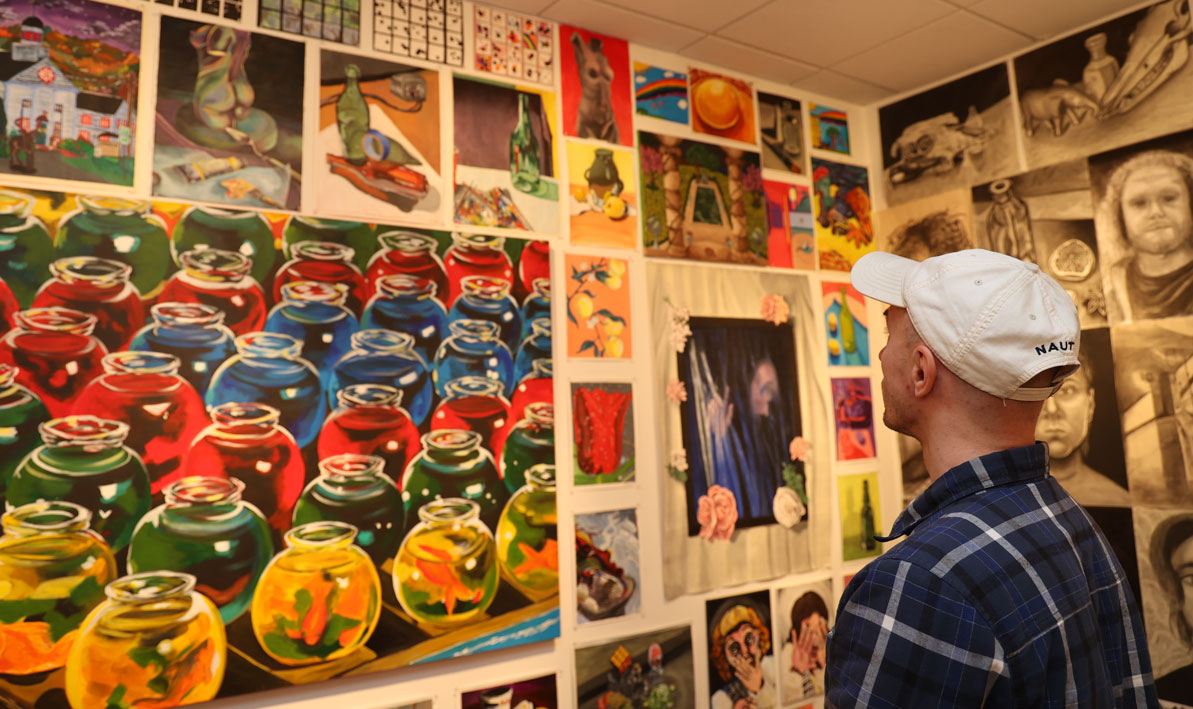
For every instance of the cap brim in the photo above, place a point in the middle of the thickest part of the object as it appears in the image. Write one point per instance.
(880, 275)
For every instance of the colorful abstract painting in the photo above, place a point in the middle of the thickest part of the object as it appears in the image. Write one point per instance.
(598, 307)
(513, 45)
(830, 128)
(506, 172)
(651, 669)
(803, 617)
(845, 325)
(539, 693)
(431, 30)
(661, 93)
(790, 239)
(608, 573)
(853, 415)
(721, 213)
(841, 204)
(241, 151)
(741, 662)
(602, 196)
(722, 105)
(379, 140)
(595, 86)
(781, 124)
(860, 515)
(68, 90)
(603, 432)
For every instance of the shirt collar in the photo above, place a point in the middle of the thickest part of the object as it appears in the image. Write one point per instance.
(1013, 465)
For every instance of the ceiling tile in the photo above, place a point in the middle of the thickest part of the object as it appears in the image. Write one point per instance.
(707, 15)
(822, 32)
(830, 84)
(529, 7)
(618, 22)
(948, 46)
(748, 60)
(1047, 19)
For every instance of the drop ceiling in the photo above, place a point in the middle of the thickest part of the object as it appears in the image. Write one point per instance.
(864, 51)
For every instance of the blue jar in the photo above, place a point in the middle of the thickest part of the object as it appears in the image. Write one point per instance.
(537, 305)
(380, 356)
(316, 315)
(268, 368)
(536, 346)
(410, 305)
(488, 298)
(192, 332)
(474, 349)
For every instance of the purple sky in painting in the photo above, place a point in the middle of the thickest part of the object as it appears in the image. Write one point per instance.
(117, 26)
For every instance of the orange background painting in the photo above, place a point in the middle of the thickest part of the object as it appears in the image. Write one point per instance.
(722, 105)
(598, 305)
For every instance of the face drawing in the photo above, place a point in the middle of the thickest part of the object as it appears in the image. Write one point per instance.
(1156, 211)
(1182, 565)
(743, 650)
(1064, 420)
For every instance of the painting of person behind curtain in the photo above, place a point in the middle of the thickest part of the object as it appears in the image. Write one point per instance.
(741, 412)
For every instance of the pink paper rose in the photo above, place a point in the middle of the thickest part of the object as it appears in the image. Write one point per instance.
(706, 516)
(717, 513)
(676, 391)
(775, 309)
(799, 449)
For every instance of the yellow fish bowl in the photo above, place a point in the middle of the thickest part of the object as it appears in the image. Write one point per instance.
(528, 536)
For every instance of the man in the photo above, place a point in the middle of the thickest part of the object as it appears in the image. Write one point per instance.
(1004, 594)
(1145, 220)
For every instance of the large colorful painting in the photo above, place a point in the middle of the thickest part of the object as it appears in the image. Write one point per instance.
(602, 196)
(595, 84)
(254, 447)
(229, 116)
(608, 573)
(379, 140)
(701, 201)
(68, 91)
(651, 670)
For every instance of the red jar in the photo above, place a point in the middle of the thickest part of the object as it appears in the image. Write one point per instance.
(163, 411)
(370, 421)
(534, 263)
(476, 404)
(8, 306)
(221, 279)
(475, 255)
(98, 286)
(408, 253)
(324, 262)
(56, 353)
(538, 385)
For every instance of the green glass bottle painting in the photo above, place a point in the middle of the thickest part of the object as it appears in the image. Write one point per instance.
(524, 150)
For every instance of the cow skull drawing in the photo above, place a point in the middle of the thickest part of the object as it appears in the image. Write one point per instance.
(1159, 46)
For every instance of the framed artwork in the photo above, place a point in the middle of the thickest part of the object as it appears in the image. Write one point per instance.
(1163, 539)
(651, 669)
(600, 320)
(781, 125)
(602, 196)
(853, 415)
(331, 20)
(845, 325)
(595, 86)
(722, 105)
(790, 239)
(861, 516)
(608, 573)
(513, 45)
(803, 616)
(940, 224)
(431, 30)
(830, 128)
(660, 93)
(538, 692)
(841, 204)
(741, 662)
(603, 432)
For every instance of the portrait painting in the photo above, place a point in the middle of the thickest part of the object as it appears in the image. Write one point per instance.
(68, 97)
(538, 692)
(642, 671)
(722, 105)
(660, 93)
(829, 128)
(1113, 84)
(845, 325)
(1143, 214)
(803, 616)
(741, 662)
(853, 415)
(1046, 216)
(608, 573)
(245, 151)
(602, 196)
(1164, 539)
(861, 517)
(379, 140)
(841, 204)
(780, 121)
(790, 239)
(603, 432)
(930, 226)
(957, 134)
(600, 323)
(595, 86)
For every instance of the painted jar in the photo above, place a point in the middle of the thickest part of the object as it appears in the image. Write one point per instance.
(371, 421)
(99, 287)
(538, 385)
(354, 488)
(247, 442)
(318, 600)
(314, 314)
(473, 349)
(21, 413)
(268, 369)
(381, 356)
(445, 573)
(9, 307)
(536, 345)
(163, 411)
(453, 464)
(485, 298)
(324, 262)
(531, 442)
(407, 304)
(247, 233)
(192, 332)
(26, 249)
(55, 354)
(476, 404)
(528, 550)
(536, 305)
(474, 255)
(120, 229)
(155, 642)
(533, 263)
(220, 279)
(53, 569)
(358, 236)
(205, 529)
(83, 460)
(407, 253)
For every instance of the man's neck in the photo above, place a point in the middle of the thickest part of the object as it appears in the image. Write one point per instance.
(954, 446)
(1156, 265)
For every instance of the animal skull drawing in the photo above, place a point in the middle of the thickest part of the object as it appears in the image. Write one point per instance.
(1159, 46)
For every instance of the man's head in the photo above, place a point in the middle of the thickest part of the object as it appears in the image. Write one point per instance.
(1151, 194)
(1064, 421)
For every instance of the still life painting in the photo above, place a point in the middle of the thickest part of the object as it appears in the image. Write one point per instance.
(722, 105)
(781, 125)
(841, 203)
(860, 515)
(845, 325)
(600, 323)
(651, 670)
(602, 196)
(608, 573)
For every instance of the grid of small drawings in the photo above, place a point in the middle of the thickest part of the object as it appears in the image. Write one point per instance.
(333, 20)
(423, 29)
(513, 45)
(227, 9)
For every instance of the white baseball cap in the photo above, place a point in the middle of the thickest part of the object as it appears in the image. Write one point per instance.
(993, 320)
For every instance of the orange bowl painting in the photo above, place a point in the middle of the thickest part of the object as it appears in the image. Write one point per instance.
(722, 106)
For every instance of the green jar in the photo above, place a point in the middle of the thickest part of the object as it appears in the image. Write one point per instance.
(123, 230)
(528, 536)
(26, 249)
(83, 460)
(452, 463)
(247, 233)
(205, 529)
(353, 488)
(21, 412)
(531, 441)
(358, 235)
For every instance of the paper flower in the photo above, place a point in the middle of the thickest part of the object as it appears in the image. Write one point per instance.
(680, 329)
(676, 391)
(775, 309)
(799, 449)
(679, 459)
(787, 507)
(717, 514)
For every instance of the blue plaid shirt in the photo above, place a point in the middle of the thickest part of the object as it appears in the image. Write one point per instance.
(1004, 594)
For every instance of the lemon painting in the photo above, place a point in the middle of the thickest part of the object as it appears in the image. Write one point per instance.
(603, 196)
(598, 307)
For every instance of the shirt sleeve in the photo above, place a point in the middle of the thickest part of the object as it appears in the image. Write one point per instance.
(903, 638)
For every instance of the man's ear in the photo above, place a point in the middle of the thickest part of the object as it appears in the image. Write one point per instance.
(923, 371)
